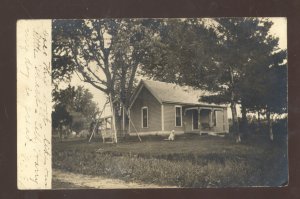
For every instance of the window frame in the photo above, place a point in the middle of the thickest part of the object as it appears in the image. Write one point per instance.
(177, 106)
(142, 118)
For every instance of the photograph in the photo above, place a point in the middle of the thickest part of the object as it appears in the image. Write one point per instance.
(153, 103)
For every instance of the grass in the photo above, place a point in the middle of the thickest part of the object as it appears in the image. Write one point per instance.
(190, 161)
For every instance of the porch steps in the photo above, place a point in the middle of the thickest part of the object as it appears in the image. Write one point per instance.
(213, 133)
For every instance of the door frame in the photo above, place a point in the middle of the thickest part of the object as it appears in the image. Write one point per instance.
(195, 112)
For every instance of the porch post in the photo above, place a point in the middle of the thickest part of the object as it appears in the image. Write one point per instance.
(199, 119)
(123, 118)
(223, 119)
(162, 118)
(128, 115)
(211, 113)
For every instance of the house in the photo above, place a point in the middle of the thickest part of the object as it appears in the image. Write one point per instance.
(159, 107)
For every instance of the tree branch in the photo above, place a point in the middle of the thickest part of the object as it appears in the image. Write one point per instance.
(86, 77)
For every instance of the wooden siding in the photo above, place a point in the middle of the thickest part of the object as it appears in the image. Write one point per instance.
(226, 124)
(146, 99)
(219, 122)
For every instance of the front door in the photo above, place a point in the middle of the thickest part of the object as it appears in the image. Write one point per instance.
(195, 119)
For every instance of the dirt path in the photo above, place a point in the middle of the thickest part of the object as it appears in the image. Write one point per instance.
(98, 182)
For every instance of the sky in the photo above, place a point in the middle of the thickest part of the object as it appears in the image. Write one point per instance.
(279, 29)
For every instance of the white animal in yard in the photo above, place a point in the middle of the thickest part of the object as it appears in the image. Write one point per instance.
(171, 136)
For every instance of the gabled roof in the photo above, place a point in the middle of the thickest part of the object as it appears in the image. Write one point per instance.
(172, 93)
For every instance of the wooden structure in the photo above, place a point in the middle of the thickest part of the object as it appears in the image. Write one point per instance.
(159, 107)
(108, 127)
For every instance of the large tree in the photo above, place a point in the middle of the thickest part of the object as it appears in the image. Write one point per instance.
(267, 88)
(181, 52)
(219, 55)
(76, 99)
(106, 53)
(73, 109)
(262, 84)
(245, 46)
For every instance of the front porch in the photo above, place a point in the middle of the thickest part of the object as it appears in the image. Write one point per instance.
(204, 120)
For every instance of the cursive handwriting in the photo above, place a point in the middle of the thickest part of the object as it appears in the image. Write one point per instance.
(34, 98)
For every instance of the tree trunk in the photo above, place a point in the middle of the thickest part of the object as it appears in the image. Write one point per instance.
(259, 121)
(113, 119)
(270, 126)
(60, 132)
(235, 122)
(123, 119)
(244, 120)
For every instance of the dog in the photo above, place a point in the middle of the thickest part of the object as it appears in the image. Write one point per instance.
(171, 136)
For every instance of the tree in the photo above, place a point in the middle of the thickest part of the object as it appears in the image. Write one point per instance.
(221, 56)
(105, 53)
(73, 107)
(247, 55)
(269, 96)
(276, 98)
(60, 118)
(180, 46)
(263, 87)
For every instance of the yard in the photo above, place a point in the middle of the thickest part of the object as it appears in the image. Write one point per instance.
(189, 161)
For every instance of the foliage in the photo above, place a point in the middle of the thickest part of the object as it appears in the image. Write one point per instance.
(76, 99)
(73, 107)
(236, 59)
(103, 52)
(60, 116)
(180, 51)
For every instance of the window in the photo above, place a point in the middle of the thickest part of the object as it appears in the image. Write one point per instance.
(144, 117)
(178, 116)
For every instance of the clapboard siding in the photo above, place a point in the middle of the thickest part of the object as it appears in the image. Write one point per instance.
(145, 98)
(219, 122)
(226, 125)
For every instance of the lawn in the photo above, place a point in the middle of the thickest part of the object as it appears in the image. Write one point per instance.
(190, 161)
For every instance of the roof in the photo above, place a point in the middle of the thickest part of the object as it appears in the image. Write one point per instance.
(173, 93)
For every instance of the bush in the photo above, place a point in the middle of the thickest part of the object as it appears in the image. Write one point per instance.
(78, 126)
